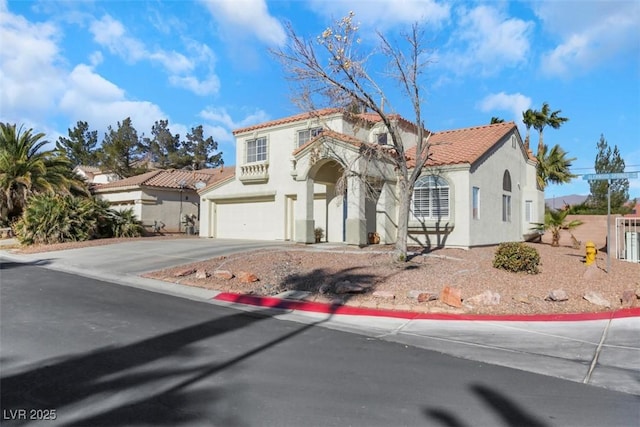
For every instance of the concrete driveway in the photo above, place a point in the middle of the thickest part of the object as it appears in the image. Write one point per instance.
(124, 262)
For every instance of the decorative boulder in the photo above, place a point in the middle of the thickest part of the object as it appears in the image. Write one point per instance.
(557, 295)
(597, 299)
(451, 296)
(485, 298)
(223, 274)
(246, 277)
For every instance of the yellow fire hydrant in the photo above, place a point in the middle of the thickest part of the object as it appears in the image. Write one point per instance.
(591, 253)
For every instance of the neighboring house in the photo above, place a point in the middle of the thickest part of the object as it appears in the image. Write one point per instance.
(479, 186)
(95, 175)
(162, 197)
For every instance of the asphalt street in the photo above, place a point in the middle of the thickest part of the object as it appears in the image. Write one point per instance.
(98, 353)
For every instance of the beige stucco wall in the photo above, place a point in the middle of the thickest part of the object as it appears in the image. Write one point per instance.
(123, 200)
(160, 205)
(167, 208)
(487, 174)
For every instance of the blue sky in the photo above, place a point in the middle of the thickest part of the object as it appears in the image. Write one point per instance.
(207, 62)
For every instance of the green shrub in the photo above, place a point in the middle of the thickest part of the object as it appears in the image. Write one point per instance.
(52, 218)
(124, 224)
(517, 257)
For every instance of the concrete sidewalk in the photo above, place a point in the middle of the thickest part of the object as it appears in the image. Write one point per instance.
(599, 350)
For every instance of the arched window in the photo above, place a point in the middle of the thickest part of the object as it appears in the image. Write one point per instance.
(506, 181)
(506, 198)
(431, 198)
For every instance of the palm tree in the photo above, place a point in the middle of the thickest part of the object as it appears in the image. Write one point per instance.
(553, 166)
(495, 120)
(26, 169)
(545, 117)
(528, 118)
(556, 221)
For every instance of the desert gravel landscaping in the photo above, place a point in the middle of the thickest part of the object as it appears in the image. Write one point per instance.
(322, 269)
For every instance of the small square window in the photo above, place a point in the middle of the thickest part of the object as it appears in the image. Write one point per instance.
(382, 138)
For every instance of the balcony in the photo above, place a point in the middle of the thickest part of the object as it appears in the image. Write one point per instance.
(254, 173)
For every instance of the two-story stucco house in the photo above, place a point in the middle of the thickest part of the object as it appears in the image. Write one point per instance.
(478, 186)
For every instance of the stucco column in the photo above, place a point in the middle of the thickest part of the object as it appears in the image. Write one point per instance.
(205, 218)
(356, 220)
(304, 213)
(386, 215)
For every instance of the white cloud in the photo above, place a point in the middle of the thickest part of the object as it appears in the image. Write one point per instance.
(110, 33)
(591, 35)
(385, 14)
(182, 71)
(486, 41)
(241, 17)
(101, 103)
(29, 67)
(200, 87)
(221, 125)
(220, 115)
(514, 103)
(96, 58)
(173, 62)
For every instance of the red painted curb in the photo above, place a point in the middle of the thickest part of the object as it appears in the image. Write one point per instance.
(316, 307)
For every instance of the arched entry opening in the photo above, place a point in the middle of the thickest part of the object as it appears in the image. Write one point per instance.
(328, 172)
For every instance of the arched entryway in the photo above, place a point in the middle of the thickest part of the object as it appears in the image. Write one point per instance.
(328, 172)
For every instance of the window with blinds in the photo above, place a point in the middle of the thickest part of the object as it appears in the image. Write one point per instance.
(431, 198)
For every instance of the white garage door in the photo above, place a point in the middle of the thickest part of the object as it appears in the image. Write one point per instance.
(255, 220)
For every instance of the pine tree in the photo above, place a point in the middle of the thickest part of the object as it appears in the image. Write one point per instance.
(608, 161)
(164, 148)
(202, 149)
(80, 147)
(121, 150)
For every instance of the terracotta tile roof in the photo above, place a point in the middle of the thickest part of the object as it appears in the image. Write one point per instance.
(330, 134)
(368, 117)
(169, 178)
(462, 145)
(290, 119)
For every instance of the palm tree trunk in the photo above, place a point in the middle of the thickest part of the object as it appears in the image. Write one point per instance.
(540, 141)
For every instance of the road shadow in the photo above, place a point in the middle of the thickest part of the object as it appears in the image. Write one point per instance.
(6, 265)
(168, 396)
(510, 412)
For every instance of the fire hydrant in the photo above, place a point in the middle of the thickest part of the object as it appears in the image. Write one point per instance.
(591, 253)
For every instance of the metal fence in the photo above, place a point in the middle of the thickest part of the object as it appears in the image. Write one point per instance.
(628, 239)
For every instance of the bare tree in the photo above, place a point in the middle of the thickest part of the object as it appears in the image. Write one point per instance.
(330, 70)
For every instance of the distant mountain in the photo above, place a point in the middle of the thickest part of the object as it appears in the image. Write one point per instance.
(560, 201)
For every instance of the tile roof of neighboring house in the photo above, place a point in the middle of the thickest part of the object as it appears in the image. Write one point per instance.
(169, 179)
(291, 119)
(462, 145)
(89, 169)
